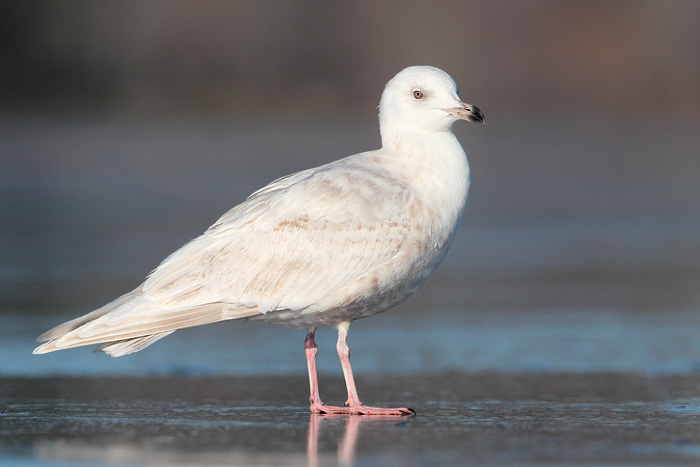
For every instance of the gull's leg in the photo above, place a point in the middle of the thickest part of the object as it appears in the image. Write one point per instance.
(315, 403)
(354, 406)
(311, 350)
(353, 401)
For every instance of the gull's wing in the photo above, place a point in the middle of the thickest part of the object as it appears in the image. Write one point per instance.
(289, 246)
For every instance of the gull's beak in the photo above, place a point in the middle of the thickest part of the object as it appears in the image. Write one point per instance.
(468, 112)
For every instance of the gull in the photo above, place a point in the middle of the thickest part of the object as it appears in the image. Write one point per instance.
(324, 246)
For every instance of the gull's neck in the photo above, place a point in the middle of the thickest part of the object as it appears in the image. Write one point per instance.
(434, 165)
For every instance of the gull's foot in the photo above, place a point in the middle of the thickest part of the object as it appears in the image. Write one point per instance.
(361, 410)
(364, 410)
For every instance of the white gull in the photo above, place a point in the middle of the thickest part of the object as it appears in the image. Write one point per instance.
(324, 246)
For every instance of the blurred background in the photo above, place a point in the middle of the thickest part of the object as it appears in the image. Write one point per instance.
(127, 128)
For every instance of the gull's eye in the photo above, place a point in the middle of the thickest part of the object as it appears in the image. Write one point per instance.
(417, 94)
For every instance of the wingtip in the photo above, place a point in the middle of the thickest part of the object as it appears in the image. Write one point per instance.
(43, 338)
(52, 334)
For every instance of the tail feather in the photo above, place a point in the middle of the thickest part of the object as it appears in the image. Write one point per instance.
(68, 326)
(131, 323)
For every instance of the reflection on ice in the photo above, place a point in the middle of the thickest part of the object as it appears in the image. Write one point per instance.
(154, 448)
(348, 443)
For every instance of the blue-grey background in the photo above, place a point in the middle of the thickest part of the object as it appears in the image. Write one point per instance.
(127, 128)
(562, 327)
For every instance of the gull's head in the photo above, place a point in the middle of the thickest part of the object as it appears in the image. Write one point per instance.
(425, 99)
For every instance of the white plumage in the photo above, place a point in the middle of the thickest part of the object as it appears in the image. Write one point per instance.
(324, 246)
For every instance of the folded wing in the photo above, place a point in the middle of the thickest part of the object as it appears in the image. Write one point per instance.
(287, 247)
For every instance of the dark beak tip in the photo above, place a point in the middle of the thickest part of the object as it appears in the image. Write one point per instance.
(477, 115)
(478, 118)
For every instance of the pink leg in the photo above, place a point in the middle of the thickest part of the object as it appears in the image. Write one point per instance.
(354, 406)
(315, 403)
(353, 401)
(311, 350)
